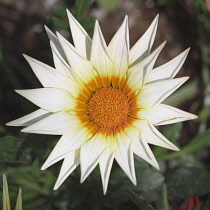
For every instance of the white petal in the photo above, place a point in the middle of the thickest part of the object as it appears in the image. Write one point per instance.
(65, 145)
(118, 50)
(162, 114)
(99, 55)
(124, 156)
(60, 123)
(60, 64)
(5, 199)
(139, 147)
(155, 93)
(81, 67)
(70, 162)
(90, 154)
(153, 136)
(148, 152)
(49, 77)
(55, 41)
(143, 46)
(30, 119)
(51, 99)
(169, 69)
(138, 74)
(105, 163)
(80, 37)
(19, 200)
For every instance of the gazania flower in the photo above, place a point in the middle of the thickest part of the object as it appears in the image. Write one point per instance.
(105, 101)
(6, 201)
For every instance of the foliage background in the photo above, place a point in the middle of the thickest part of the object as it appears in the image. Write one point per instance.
(183, 174)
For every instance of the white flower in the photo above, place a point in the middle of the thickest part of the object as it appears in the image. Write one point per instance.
(103, 100)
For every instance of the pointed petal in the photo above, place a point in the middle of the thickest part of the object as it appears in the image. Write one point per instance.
(49, 77)
(19, 200)
(155, 93)
(105, 163)
(148, 152)
(118, 50)
(124, 156)
(143, 46)
(70, 162)
(81, 39)
(99, 55)
(139, 147)
(55, 41)
(30, 119)
(162, 114)
(65, 145)
(153, 136)
(169, 69)
(6, 201)
(51, 99)
(80, 66)
(60, 64)
(60, 123)
(138, 74)
(90, 154)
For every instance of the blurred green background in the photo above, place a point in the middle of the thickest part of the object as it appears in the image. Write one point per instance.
(183, 176)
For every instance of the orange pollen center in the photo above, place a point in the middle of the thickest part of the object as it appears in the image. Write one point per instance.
(108, 108)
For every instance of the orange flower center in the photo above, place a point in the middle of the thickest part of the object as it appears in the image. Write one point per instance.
(108, 108)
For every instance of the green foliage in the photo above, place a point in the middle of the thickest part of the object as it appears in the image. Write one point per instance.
(189, 181)
(9, 149)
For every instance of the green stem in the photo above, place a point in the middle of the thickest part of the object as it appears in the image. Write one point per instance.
(165, 197)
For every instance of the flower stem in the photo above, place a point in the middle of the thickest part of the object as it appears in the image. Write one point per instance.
(165, 197)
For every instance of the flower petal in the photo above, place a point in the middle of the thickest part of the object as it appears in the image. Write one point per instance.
(153, 136)
(162, 114)
(148, 152)
(60, 123)
(139, 147)
(99, 55)
(90, 154)
(81, 39)
(169, 69)
(51, 99)
(19, 200)
(81, 67)
(143, 46)
(55, 41)
(6, 201)
(105, 163)
(155, 93)
(70, 162)
(138, 74)
(124, 156)
(49, 77)
(60, 64)
(118, 50)
(65, 145)
(30, 119)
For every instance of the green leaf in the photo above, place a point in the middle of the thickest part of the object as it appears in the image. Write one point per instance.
(60, 10)
(9, 147)
(109, 5)
(139, 201)
(148, 178)
(59, 23)
(187, 182)
(82, 6)
(199, 142)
